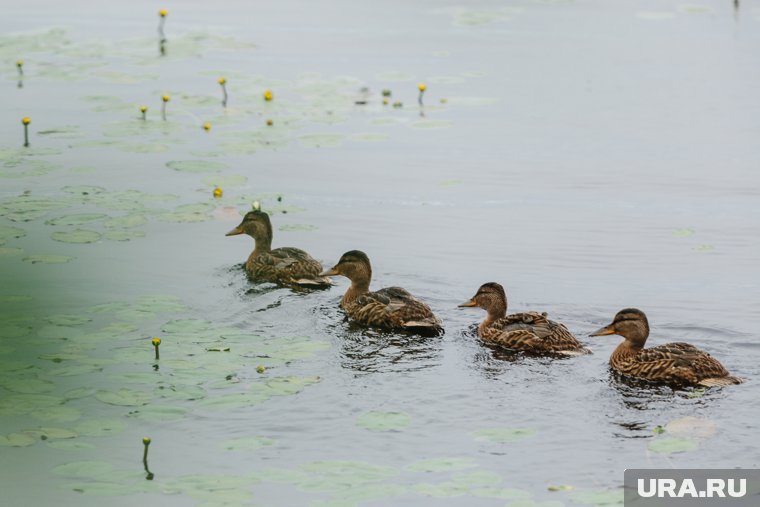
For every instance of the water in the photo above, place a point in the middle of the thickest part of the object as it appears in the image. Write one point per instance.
(591, 157)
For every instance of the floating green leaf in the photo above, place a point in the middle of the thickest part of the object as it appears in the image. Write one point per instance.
(441, 489)
(100, 427)
(383, 421)
(187, 326)
(123, 397)
(157, 413)
(51, 433)
(7, 232)
(48, 259)
(503, 434)
(68, 320)
(57, 414)
(196, 166)
(76, 236)
(77, 219)
(17, 440)
(446, 464)
(321, 140)
(246, 443)
(669, 445)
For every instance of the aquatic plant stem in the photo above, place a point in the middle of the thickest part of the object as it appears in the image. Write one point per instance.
(161, 37)
(156, 343)
(164, 100)
(146, 443)
(26, 121)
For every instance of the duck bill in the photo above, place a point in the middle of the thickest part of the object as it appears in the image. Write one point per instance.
(330, 272)
(606, 330)
(468, 304)
(234, 232)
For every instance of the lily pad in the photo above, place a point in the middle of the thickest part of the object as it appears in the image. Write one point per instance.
(430, 124)
(76, 236)
(446, 464)
(157, 413)
(321, 140)
(8, 232)
(502, 435)
(48, 259)
(77, 219)
(123, 397)
(67, 445)
(100, 427)
(126, 222)
(68, 320)
(670, 445)
(246, 443)
(17, 440)
(188, 326)
(446, 489)
(57, 414)
(298, 227)
(383, 421)
(51, 433)
(196, 166)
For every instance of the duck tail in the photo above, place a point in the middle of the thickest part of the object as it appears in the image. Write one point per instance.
(319, 281)
(721, 381)
(583, 351)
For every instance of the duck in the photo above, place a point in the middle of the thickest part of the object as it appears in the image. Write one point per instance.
(530, 332)
(391, 308)
(674, 363)
(284, 266)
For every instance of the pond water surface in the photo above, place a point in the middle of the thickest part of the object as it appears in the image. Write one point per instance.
(589, 156)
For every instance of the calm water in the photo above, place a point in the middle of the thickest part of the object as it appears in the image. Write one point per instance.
(589, 157)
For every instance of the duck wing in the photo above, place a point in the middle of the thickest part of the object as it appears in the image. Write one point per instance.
(288, 266)
(676, 362)
(532, 331)
(394, 308)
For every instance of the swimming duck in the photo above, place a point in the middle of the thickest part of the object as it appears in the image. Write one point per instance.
(528, 332)
(392, 308)
(678, 363)
(285, 266)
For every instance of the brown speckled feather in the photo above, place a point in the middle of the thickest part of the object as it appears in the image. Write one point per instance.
(674, 362)
(531, 331)
(286, 266)
(393, 308)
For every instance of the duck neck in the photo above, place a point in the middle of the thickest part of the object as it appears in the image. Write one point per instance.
(263, 245)
(496, 309)
(359, 285)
